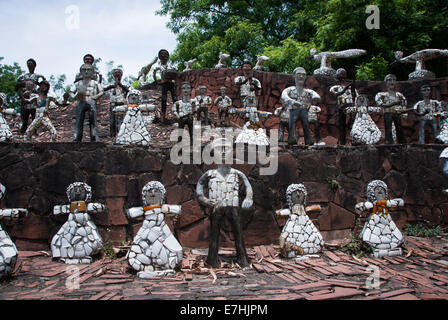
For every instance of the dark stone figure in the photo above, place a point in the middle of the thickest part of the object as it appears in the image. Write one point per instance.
(223, 201)
(89, 59)
(167, 81)
(86, 92)
(203, 102)
(117, 98)
(184, 110)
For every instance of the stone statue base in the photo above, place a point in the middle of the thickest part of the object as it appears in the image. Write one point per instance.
(422, 75)
(251, 136)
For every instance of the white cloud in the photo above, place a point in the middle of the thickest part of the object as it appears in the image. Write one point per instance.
(127, 32)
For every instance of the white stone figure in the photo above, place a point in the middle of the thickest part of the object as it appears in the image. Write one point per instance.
(299, 236)
(133, 129)
(419, 59)
(5, 131)
(189, 64)
(223, 103)
(260, 63)
(444, 157)
(313, 119)
(325, 59)
(155, 251)
(283, 114)
(8, 250)
(78, 239)
(222, 63)
(443, 124)
(380, 231)
(364, 130)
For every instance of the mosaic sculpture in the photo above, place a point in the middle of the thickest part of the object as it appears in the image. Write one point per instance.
(443, 115)
(223, 58)
(5, 131)
(313, 119)
(426, 110)
(222, 202)
(283, 114)
(224, 103)
(380, 231)
(419, 59)
(203, 102)
(78, 239)
(189, 64)
(299, 235)
(184, 110)
(325, 58)
(133, 129)
(118, 94)
(8, 250)
(154, 251)
(260, 63)
(298, 99)
(364, 130)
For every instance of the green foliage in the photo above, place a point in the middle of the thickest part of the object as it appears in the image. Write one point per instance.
(58, 84)
(334, 185)
(356, 247)
(421, 230)
(286, 30)
(108, 249)
(8, 79)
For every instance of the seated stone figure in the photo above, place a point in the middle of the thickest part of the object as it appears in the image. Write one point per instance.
(299, 235)
(380, 231)
(78, 239)
(8, 250)
(154, 251)
(133, 129)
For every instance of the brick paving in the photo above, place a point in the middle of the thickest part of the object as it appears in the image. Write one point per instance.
(420, 274)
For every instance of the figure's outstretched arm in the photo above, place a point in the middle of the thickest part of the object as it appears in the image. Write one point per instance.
(248, 202)
(398, 202)
(313, 208)
(171, 209)
(62, 209)
(363, 206)
(96, 207)
(146, 108)
(99, 87)
(283, 213)
(13, 214)
(120, 109)
(135, 212)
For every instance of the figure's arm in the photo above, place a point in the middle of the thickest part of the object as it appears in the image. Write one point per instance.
(313, 208)
(147, 68)
(72, 91)
(286, 100)
(135, 212)
(96, 207)
(363, 206)
(120, 109)
(175, 108)
(248, 202)
(171, 209)
(62, 209)
(398, 202)
(10, 112)
(146, 108)
(100, 90)
(283, 213)
(13, 214)
(315, 97)
(200, 191)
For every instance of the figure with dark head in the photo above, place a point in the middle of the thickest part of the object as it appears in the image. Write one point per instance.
(427, 110)
(118, 94)
(89, 59)
(184, 110)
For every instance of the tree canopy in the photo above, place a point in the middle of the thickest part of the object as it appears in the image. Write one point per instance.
(285, 31)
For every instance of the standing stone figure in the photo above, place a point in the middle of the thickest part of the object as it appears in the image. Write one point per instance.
(78, 239)
(8, 250)
(364, 130)
(86, 92)
(184, 110)
(299, 235)
(345, 100)
(203, 102)
(419, 59)
(223, 202)
(5, 131)
(326, 57)
(426, 109)
(394, 105)
(380, 231)
(224, 103)
(313, 119)
(444, 157)
(298, 99)
(133, 129)
(26, 87)
(154, 251)
(117, 98)
(248, 84)
(45, 104)
(283, 114)
(89, 59)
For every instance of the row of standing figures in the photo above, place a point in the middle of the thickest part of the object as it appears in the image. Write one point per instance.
(156, 252)
(298, 104)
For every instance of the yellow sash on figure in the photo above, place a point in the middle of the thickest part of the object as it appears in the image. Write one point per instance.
(147, 208)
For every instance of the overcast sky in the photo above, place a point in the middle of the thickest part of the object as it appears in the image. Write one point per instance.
(127, 32)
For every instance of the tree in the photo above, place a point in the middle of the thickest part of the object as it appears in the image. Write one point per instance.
(8, 79)
(286, 30)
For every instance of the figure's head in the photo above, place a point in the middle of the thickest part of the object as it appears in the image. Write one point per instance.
(362, 100)
(390, 81)
(222, 147)
(31, 64)
(79, 191)
(117, 74)
(89, 59)
(296, 194)
(425, 91)
(247, 67)
(153, 193)
(202, 90)
(134, 97)
(299, 76)
(87, 71)
(44, 86)
(223, 91)
(164, 55)
(185, 88)
(341, 74)
(2, 100)
(376, 191)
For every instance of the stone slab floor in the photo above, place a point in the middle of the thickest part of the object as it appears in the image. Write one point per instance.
(421, 273)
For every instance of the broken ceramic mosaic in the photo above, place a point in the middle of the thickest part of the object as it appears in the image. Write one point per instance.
(78, 239)
(5, 131)
(155, 251)
(364, 130)
(380, 231)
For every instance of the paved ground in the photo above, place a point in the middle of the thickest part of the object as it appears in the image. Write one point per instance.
(421, 273)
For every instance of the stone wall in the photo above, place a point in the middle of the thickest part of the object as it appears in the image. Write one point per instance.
(36, 177)
(274, 83)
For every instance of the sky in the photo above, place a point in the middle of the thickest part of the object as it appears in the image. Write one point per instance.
(57, 37)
